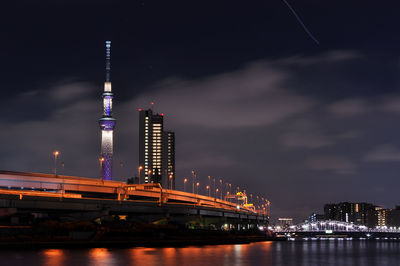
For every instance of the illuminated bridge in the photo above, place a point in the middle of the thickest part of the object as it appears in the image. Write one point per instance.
(44, 195)
(339, 229)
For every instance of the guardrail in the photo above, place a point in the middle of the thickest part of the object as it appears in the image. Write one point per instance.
(74, 187)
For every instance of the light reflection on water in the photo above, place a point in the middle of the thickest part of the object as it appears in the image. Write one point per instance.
(299, 253)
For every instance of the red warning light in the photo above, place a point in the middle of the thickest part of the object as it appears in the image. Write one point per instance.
(152, 103)
(162, 114)
(140, 109)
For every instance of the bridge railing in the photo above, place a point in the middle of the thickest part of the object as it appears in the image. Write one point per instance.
(67, 186)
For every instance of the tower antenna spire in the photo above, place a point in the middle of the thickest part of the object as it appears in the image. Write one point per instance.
(108, 61)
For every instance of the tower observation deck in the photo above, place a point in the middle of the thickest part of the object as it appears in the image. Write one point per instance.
(107, 122)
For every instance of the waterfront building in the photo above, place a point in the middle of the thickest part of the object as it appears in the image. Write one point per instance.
(357, 213)
(107, 122)
(393, 217)
(381, 216)
(285, 222)
(314, 217)
(168, 159)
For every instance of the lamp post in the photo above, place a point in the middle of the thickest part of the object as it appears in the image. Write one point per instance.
(149, 176)
(170, 180)
(55, 153)
(193, 179)
(139, 170)
(101, 160)
(184, 184)
(220, 182)
(209, 181)
(216, 192)
(208, 190)
(197, 187)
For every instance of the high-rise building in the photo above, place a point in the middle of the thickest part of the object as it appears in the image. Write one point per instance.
(168, 160)
(156, 149)
(357, 213)
(107, 122)
(150, 145)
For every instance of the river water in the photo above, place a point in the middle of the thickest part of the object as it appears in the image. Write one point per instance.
(304, 253)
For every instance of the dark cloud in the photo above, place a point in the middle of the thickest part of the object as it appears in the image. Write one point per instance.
(340, 165)
(349, 107)
(383, 153)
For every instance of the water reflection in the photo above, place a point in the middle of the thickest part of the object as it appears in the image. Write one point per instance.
(299, 253)
(100, 257)
(53, 257)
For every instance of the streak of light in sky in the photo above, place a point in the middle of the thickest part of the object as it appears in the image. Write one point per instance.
(301, 22)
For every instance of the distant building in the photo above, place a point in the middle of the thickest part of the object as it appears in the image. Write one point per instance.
(356, 213)
(314, 217)
(168, 159)
(393, 217)
(381, 216)
(285, 222)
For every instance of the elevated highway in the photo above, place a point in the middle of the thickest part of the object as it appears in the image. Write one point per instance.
(43, 195)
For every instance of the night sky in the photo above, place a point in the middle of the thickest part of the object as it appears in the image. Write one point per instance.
(252, 98)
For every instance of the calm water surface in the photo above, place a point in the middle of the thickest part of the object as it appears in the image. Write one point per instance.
(262, 253)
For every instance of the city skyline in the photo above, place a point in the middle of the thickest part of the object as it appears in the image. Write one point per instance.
(258, 104)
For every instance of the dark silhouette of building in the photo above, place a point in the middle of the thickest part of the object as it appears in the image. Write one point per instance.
(168, 159)
(357, 213)
(314, 217)
(393, 217)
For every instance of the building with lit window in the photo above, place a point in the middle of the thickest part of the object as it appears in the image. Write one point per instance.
(381, 216)
(150, 145)
(168, 160)
(357, 213)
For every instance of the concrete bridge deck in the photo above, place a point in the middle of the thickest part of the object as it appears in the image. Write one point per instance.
(88, 198)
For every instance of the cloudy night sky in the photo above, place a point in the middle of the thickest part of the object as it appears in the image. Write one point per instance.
(251, 96)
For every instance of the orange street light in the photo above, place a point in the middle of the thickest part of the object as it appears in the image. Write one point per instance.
(101, 160)
(208, 190)
(55, 153)
(209, 181)
(197, 187)
(139, 170)
(184, 184)
(170, 180)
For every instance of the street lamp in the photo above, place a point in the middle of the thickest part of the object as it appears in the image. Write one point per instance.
(216, 191)
(209, 181)
(193, 179)
(184, 184)
(101, 160)
(149, 176)
(208, 190)
(55, 153)
(139, 170)
(215, 194)
(170, 180)
(197, 187)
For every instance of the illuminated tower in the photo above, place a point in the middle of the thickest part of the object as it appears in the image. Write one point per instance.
(107, 122)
